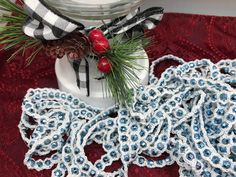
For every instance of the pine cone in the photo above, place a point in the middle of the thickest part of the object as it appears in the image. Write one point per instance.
(55, 48)
(75, 45)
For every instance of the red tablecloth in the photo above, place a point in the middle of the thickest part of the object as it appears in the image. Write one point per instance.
(187, 36)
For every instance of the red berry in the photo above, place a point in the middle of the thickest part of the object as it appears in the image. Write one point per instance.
(101, 46)
(104, 65)
(95, 34)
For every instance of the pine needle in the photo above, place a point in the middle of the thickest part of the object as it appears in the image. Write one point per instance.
(123, 78)
(11, 7)
(11, 35)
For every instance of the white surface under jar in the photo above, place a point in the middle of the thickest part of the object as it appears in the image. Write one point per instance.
(91, 14)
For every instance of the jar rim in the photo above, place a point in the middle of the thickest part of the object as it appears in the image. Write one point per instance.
(76, 10)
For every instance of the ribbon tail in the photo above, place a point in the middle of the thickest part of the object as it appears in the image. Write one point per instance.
(107, 28)
(76, 66)
(85, 72)
(151, 15)
(87, 77)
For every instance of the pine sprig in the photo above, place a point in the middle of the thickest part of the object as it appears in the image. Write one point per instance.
(12, 36)
(9, 6)
(123, 57)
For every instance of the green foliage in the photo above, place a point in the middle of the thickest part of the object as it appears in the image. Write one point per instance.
(123, 53)
(11, 34)
(123, 57)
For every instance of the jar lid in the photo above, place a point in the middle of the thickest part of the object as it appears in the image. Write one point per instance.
(94, 9)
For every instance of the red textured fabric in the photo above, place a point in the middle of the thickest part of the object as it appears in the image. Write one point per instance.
(186, 36)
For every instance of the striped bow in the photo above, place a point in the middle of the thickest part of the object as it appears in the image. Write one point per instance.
(45, 23)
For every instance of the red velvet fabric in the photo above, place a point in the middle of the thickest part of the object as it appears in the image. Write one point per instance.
(186, 36)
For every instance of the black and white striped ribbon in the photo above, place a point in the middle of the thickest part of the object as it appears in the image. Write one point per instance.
(147, 19)
(81, 68)
(45, 23)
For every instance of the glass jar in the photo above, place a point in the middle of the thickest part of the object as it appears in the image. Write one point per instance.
(92, 10)
(93, 14)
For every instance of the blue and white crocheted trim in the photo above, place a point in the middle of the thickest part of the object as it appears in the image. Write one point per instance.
(189, 113)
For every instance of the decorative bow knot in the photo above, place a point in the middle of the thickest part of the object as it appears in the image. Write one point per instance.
(46, 24)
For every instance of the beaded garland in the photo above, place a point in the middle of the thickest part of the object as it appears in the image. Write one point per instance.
(189, 113)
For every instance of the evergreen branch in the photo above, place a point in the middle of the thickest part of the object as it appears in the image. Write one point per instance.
(33, 55)
(12, 35)
(7, 18)
(22, 49)
(18, 51)
(123, 77)
(11, 7)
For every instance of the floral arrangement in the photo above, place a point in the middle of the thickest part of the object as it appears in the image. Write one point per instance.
(116, 58)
